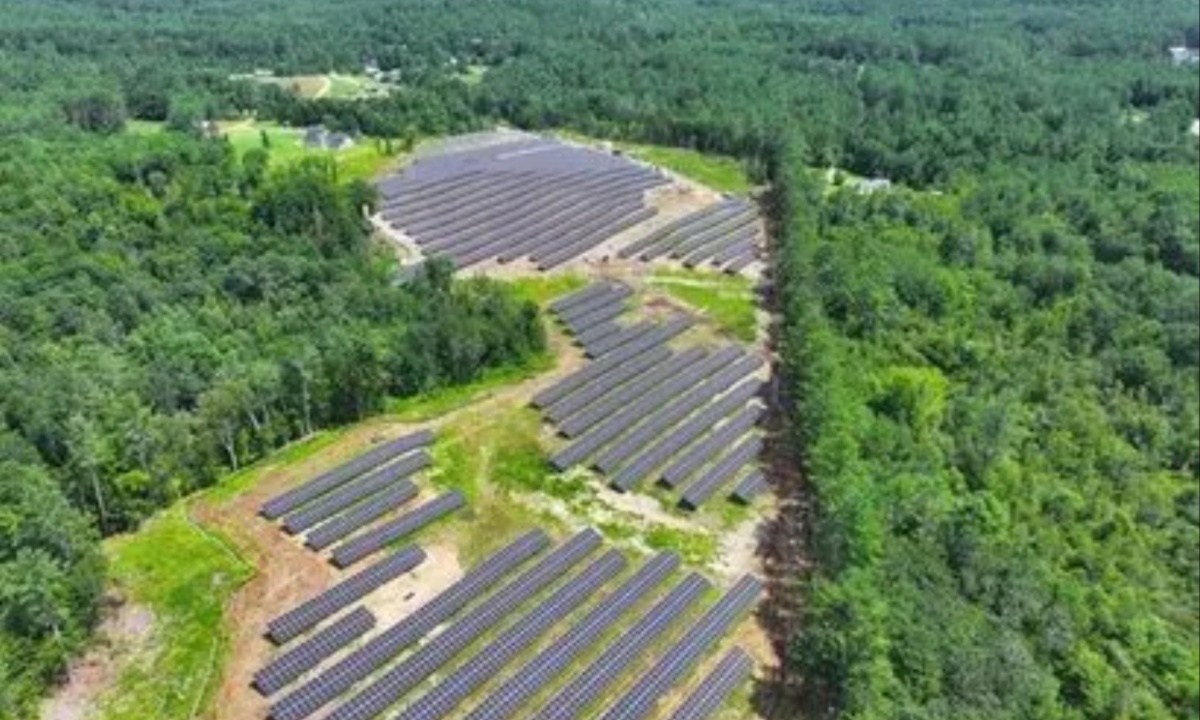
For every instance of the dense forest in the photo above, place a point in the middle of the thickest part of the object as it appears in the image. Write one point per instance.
(991, 370)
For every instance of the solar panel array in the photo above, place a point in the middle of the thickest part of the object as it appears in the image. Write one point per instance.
(643, 410)
(318, 486)
(503, 612)
(639, 701)
(725, 235)
(716, 687)
(516, 196)
(313, 651)
(384, 647)
(375, 539)
(307, 615)
(350, 504)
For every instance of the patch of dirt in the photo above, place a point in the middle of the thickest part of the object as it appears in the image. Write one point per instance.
(738, 552)
(124, 633)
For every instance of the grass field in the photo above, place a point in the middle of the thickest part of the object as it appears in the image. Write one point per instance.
(184, 574)
(727, 300)
(718, 172)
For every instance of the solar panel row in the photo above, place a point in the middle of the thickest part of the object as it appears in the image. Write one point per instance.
(384, 690)
(325, 482)
(604, 313)
(624, 419)
(700, 423)
(312, 652)
(657, 337)
(710, 250)
(668, 243)
(640, 700)
(578, 243)
(379, 650)
(498, 653)
(669, 229)
(598, 332)
(599, 387)
(716, 687)
(305, 616)
(721, 472)
(750, 487)
(571, 300)
(515, 694)
(362, 545)
(730, 224)
(586, 687)
(360, 515)
(703, 452)
(670, 415)
(354, 491)
(612, 341)
(692, 360)
(612, 292)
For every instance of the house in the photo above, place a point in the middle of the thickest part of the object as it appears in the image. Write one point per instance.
(316, 137)
(1184, 55)
(866, 186)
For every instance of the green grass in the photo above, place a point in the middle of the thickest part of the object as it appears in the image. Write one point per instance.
(427, 406)
(286, 146)
(542, 289)
(184, 575)
(727, 300)
(718, 172)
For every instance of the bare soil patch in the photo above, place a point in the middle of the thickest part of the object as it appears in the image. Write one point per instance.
(125, 632)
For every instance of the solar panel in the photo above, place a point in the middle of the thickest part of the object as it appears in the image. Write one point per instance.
(639, 702)
(509, 644)
(669, 243)
(478, 209)
(750, 487)
(360, 546)
(624, 419)
(516, 693)
(361, 515)
(586, 687)
(707, 235)
(695, 426)
(601, 386)
(735, 249)
(598, 332)
(583, 214)
(567, 301)
(305, 616)
(275, 675)
(613, 292)
(612, 341)
(389, 687)
(708, 448)
(721, 473)
(740, 262)
(691, 360)
(379, 650)
(594, 370)
(294, 498)
(719, 244)
(716, 687)
(601, 314)
(662, 234)
(677, 410)
(576, 246)
(354, 491)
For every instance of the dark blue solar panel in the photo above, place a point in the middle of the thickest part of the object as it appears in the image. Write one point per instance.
(716, 687)
(313, 651)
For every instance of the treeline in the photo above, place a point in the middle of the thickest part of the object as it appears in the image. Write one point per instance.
(1001, 418)
(168, 313)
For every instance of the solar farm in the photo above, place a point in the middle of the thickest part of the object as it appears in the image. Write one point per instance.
(503, 197)
(582, 543)
(643, 412)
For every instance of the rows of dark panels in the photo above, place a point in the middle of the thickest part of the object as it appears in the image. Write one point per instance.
(514, 619)
(716, 687)
(644, 412)
(527, 197)
(725, 235)
(363, 505)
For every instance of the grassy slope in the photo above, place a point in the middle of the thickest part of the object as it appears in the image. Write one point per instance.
(727, 300)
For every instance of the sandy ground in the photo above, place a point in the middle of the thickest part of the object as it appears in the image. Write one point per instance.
(125, 633)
